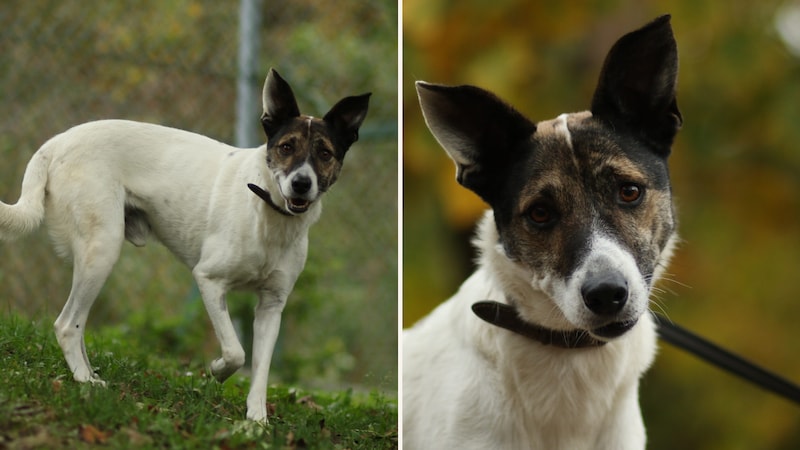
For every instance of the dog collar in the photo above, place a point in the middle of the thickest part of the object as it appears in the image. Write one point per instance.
(264, 195)
(506, 316)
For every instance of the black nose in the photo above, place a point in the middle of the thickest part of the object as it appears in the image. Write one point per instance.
(605, 294)
(301, 184)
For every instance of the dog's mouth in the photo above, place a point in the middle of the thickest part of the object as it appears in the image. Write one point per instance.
(298, 205)
(615, 329)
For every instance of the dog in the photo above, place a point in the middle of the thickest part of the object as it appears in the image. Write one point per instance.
(239, 218)
(544, 344)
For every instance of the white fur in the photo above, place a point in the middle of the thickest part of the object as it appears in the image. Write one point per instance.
(471, 385)
(604, 255)
(285, 182)
(194, 193)
(560, 125)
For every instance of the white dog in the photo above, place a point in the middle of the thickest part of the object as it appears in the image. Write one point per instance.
(543, 346)
(239, 218)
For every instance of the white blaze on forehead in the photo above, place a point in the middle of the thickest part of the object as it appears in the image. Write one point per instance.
(310, 118)
(560, 127)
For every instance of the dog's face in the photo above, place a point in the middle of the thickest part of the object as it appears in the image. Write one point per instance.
(581, 203)
(304, 153)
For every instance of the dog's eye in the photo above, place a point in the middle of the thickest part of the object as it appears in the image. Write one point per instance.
(630, 194)
(325, 155)
(286, 149)
(541, 215)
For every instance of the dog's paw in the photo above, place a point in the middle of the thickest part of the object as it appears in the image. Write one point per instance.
(258, 415)
(96, 381)
(222, 370)
(91, 379)
(250, 429)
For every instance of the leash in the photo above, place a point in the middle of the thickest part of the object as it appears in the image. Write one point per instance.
(725, 360)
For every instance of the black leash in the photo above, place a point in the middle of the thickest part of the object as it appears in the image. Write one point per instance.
(718, 356)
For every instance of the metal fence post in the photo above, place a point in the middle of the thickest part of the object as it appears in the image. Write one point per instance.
(247, 92)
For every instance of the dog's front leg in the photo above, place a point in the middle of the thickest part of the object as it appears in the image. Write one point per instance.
(266, 326)
(213, 292)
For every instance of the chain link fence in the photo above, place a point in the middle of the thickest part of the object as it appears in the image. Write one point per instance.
(63, 63)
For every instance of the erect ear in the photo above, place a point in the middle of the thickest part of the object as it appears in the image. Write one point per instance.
(279, 103)
(636, 90)
(476, 129)
(346, 117)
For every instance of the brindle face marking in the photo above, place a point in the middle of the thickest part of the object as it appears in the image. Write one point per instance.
(304, 147)
(581, 203)
(588, 206)
(577, 181)
(305, 154)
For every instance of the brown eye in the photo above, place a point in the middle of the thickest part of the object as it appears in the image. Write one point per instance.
(541, 215)
(630, 194)
(285, 149)
(325, 155)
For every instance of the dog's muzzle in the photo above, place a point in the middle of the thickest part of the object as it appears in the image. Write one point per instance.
(606, 295)
(298, 204)
(615, 329)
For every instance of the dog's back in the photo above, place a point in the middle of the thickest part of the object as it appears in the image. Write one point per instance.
(115, 170)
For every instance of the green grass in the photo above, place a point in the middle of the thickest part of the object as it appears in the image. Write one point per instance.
(158, 401)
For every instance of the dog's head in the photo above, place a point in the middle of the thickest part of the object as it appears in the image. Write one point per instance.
(582, 203)
(305, 153)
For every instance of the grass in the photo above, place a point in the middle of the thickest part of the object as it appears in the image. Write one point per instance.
(158, 401)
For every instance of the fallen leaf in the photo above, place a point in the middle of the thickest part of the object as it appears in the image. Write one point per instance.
(39, 439)
(221, 434)
(92, 435)
(290, 439)
(309, 402)
(136, 438)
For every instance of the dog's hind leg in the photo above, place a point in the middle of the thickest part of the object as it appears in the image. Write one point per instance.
(93, 260)
(213, 292)
(265, 334)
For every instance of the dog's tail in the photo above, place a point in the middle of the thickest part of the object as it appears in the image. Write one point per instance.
(26, 215)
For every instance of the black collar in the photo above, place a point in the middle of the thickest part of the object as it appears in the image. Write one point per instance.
(506, 316)
(264, 195)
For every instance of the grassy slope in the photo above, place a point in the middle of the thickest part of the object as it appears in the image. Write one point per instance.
(156, 401)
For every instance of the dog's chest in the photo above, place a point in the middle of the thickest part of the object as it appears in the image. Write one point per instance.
(277, 247)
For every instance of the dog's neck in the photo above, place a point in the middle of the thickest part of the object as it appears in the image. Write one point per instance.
(506, 316)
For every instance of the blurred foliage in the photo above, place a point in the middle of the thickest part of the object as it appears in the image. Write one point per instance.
(174, 63)
(735, 171)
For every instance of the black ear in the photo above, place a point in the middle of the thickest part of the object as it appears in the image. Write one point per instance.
(279, 103)
(346, 118)
(636, 90)
(477, 130)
